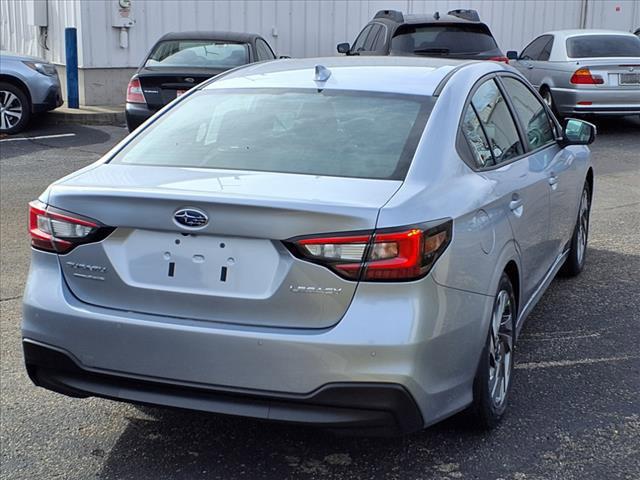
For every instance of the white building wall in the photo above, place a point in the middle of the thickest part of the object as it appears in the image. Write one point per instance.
(298, 28)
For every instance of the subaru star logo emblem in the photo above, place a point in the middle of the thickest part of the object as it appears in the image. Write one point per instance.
(190, 218)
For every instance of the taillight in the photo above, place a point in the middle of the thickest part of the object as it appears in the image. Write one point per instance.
(583, 76)
(54, 231)
(387, 255)
(134, 92)
(499, 59)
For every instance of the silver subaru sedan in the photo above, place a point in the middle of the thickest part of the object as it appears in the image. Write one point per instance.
(353, 243)
(578, 72)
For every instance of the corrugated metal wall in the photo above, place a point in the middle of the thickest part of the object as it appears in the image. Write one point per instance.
(293, 27)
(18, 35)
(302, 27)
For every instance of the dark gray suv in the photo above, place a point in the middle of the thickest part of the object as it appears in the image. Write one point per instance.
(458, 34)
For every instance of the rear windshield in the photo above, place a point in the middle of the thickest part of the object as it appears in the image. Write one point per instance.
(603, 46)
(444, 40)
(333, 133)
(198, 53)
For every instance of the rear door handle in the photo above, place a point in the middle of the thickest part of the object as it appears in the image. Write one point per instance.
(553, 180)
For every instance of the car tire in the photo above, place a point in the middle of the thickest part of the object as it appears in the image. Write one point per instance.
(546, 95)
(15, 108)
(575, 261)
(492, 383)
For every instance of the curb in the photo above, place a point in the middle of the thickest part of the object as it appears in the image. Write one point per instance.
(86, 117)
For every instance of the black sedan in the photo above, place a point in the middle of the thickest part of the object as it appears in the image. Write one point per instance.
(181, 60)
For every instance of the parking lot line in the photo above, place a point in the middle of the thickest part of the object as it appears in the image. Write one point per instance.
(570, 363)
(39, 137)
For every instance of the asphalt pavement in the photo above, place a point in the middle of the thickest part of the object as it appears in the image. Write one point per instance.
(575, 406)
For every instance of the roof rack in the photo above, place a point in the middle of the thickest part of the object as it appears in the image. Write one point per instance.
(394, 15)
(471, 15)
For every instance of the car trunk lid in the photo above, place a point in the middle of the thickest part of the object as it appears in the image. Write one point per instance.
(235, 269)
(161, 85)
(617, 73)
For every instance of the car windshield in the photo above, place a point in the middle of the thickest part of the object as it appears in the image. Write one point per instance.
(587, 46)
(333, 133)
(198, 53)
(443, 40)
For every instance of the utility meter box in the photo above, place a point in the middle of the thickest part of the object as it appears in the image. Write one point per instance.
(122, 14)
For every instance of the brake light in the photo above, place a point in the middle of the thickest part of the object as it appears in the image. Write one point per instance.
(134, 92)
(583, 76)
(386, 255)
(54, 231)
(499, 59)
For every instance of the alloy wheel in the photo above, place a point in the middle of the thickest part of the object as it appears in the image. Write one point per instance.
(10, 110)
(583, 226)
(501, 348)
(546, 96)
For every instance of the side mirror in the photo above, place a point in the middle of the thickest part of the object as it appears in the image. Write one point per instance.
(512, 55)
(578, 132)
(344, 47)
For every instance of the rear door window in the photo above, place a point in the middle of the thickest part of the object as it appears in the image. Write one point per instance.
(546, 51)
(371, 38)
(494, 120)
(333, 133)
(444, 40)
(533, 51)
(586, 46)
(263, 50)
(358, 45)
(531, 112)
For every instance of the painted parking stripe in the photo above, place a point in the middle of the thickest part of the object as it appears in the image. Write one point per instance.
(571, 363)
(40, 137)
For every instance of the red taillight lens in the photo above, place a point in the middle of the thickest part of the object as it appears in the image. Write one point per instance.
(387, 255)
(499, 59)
(54, 231)
(134, 92)
(583, 76)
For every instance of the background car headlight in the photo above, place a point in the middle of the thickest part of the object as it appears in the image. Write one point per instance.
(43, 68)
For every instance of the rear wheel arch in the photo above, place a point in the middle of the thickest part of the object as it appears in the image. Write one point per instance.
(589, 181)
(512, 271)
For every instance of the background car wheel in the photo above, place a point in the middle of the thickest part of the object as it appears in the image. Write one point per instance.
(548, 99)
(15, 108)
(574, 263)
(492, 384)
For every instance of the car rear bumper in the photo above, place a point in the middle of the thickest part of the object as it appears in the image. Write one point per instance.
(597, 101)
(136, 114)
(419, 336)
(373, 408)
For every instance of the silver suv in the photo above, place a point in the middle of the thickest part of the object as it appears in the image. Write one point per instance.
(28, 85)
(349, 242)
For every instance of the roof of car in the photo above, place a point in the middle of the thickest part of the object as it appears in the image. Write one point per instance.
(210, 35)
(582, 32)
(409, 75)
